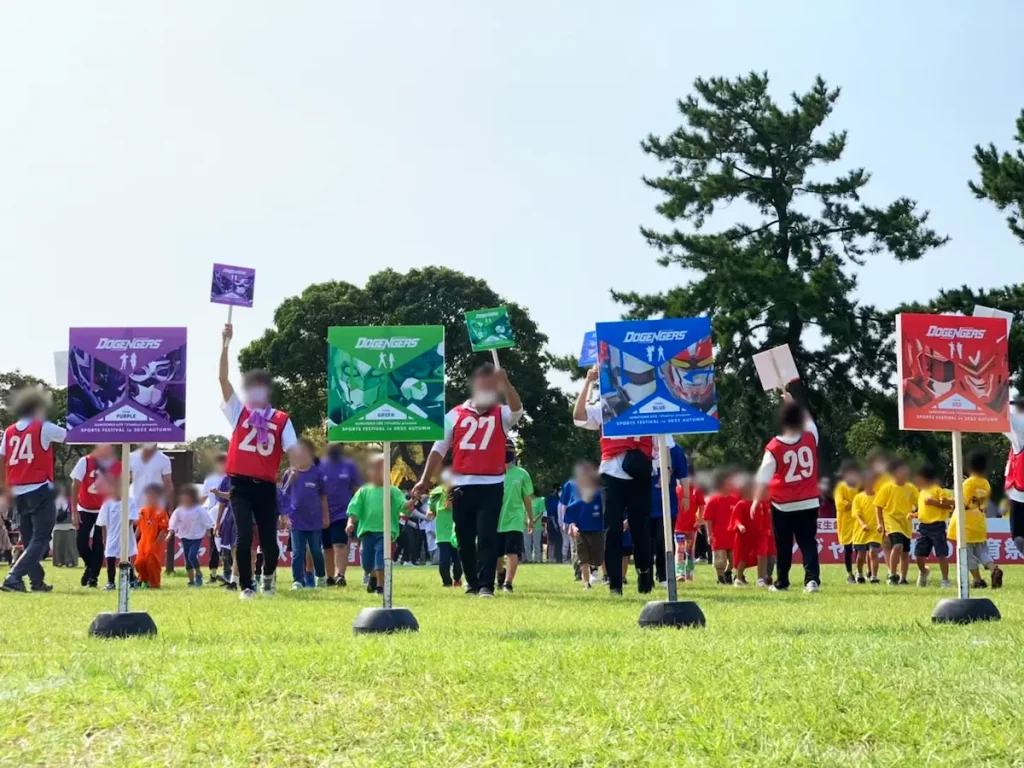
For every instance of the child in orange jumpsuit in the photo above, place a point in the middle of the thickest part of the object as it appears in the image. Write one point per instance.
(152, 533)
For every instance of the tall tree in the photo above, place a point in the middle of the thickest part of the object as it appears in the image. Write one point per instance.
(205, 450)
(781, 269)
(294, 351)
(1002, 179)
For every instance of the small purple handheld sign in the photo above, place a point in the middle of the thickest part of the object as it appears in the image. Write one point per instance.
(233, 285)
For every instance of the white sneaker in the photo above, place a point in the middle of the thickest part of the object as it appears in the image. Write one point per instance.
(812, 586)
(246, 594)
(738, 583)
(321, 581)
(762, 583)
(296, 585)
(595, 578)
(663, 584)
(945, 584)
(269, 586)
(851, 579)
(922, 578)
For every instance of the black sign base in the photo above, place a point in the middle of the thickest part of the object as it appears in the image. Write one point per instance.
(662, 613)
(384, 621)
(131, 624)
(956, 611)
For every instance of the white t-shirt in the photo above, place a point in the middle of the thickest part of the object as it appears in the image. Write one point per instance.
(110, 519)
(49, 433)
(232, 411)
(613, 466)
(210, 484)
(147, 473)
(509, 419)
(190, 522)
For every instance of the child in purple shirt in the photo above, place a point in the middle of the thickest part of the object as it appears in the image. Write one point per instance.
(341, 481)
(306, 505)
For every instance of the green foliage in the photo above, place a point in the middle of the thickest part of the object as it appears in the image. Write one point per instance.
(782, 271)
(294, 351)
(1002, 179)
(204, 453)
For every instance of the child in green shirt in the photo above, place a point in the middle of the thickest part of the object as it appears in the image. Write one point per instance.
(366, 522)
(514, 520)
(439, 509)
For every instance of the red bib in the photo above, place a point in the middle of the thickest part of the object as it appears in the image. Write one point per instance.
(247, 458)
(796, 470)
(615, 446)
(90, 497)
(28, 463)
(478, 441)
(1015, 471)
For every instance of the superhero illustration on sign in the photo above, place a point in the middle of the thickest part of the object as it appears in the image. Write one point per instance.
(953, 373)
(232, 285)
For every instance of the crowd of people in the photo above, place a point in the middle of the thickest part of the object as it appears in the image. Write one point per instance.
(474, 513)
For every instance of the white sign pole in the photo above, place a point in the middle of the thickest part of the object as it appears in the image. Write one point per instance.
(962, 583)
(494, 357)
(665, 480)
(387, 525)
(125, 568)
(230, 308)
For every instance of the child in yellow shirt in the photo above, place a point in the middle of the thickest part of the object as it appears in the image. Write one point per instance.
(846, 489)
(894, 504)
(933, 507)
(977, 492)
(867, 534)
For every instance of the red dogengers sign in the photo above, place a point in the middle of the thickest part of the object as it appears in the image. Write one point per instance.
(954, 373)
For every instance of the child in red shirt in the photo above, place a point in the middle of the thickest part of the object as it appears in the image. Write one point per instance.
(747, 526)
(717, 513)
(688, 522)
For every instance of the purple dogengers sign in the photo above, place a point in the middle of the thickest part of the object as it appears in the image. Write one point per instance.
(232, 285)
(126, 385)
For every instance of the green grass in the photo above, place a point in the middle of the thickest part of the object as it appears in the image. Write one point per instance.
(547, 676)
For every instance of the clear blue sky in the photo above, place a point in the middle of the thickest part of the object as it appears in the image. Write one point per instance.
(142, 141)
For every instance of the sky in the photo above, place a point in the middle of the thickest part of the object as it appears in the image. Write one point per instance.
(141, 141)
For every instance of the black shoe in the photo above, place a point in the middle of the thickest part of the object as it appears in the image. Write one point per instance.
(13, 586)
(506, 587)
(340, 582)
(615, 591)
(997, 577)
(644, 582)
(904, 583)
(874, 580)
(330, 581)
(230, 586)
(861, 580)
(979, 584)
(379, 590)
(473, 591)
(501, 577)
(85, 578)
(728, 578)
(42, 587)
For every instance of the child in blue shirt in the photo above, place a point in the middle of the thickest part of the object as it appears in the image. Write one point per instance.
(584, 518)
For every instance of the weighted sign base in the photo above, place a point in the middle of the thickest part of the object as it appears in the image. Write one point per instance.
(130, 624)
(384, 621)
(662, 613)
(956, 611)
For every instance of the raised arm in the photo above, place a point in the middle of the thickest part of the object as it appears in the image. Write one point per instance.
(226, 390)
(579, 410)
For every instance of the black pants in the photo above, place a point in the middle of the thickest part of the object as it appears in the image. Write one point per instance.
(801, 525)
(89, 538)
(1016, 519)
(554, 541)
(254, 502)
(448, 561)
(658, 547)
(475, 510)
(627, 500)
(112, 571)
(228, 562)
(847, 556)
(214, 553)
(37, 512)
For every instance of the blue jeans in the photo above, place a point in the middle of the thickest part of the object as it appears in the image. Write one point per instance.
(372, 552)
(315, 541)
(190, 548)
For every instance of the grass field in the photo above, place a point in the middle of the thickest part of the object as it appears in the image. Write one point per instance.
(548, 676)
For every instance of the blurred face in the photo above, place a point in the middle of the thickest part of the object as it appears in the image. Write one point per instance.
(586, 481)
(484, 391)
(152, 499)
(110, 485)
(376, 471)
(256, 394)
(901, 474)
(851, 478)
(303, 455)
(104, 453)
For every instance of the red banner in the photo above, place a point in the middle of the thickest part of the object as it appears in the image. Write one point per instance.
(954, 373)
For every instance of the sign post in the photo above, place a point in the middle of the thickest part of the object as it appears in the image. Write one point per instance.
(233, 286)
(126, 385)
(953, 375)
(385, 384)
(658, 378)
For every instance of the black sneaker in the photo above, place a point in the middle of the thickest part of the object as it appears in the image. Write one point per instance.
(340, 582)
(997, 577)
(501, 577)
(506, 587)
(230, 586)
(893, 581)
(904, 583)
(615, 591)
(861, 580)
(42, 587)
(488, 593)
(330, 581)
(979, 584)
(13, 586)
(644, 582)
(85, 578)
(472, 591)
(727, 579)
(874, 580)
(379, 590)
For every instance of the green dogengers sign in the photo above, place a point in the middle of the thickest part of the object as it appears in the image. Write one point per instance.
(489, 329)
(385, 383)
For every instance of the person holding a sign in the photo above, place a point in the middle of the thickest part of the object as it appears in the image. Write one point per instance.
(476, 432)
(260, 435)
(1015, 472)
(625, 472)
(27, 450)
(788, 477)
(86, 490)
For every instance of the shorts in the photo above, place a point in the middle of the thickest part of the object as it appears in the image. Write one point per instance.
(899, 540)
(513, 543)
(931, 537)
(627, 550)
(590, 548)
(865, 547)
(372, 551)
(978, 555)
(334, 535)
(720, 558)
(684, 537)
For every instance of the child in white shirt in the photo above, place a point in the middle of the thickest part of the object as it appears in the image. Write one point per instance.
(109, 520)
(190, 522)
